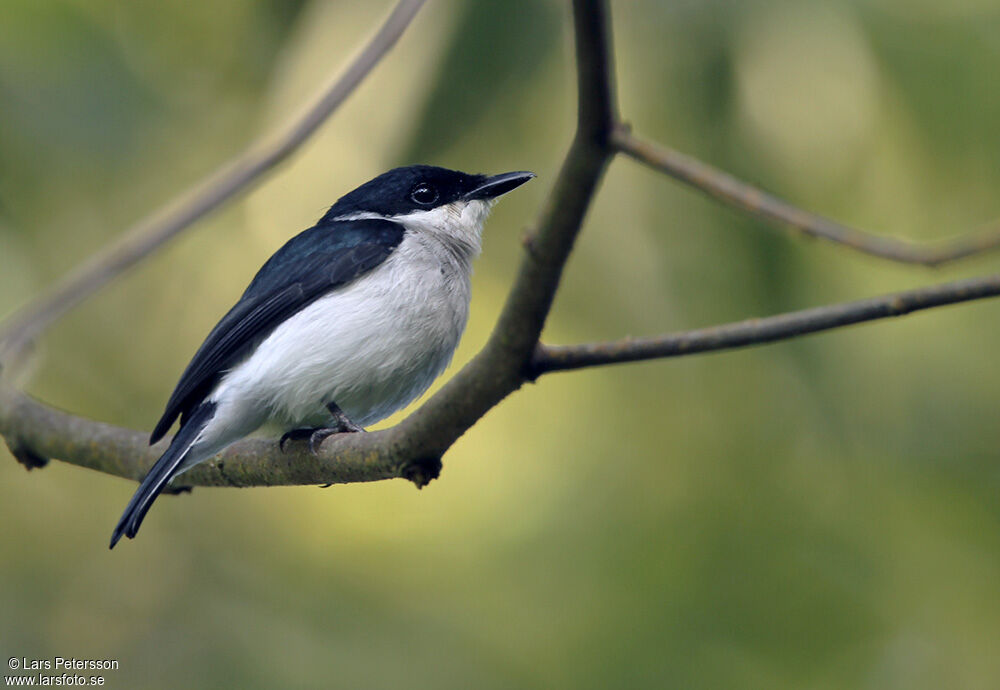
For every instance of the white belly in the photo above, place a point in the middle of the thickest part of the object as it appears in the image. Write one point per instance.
(371, 347)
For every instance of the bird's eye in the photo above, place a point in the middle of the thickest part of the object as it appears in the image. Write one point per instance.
(424, 194)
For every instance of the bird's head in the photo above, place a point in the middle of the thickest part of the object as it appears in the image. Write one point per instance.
(425, 198)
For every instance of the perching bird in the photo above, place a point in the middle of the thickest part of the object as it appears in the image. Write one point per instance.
(348, 322)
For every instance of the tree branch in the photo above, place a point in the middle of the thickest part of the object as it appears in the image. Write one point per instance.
(745, 197)
(551, 358)
(28, 425)
(40, 432)
(234, 177)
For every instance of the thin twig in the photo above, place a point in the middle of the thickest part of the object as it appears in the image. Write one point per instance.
(204, 197)
(550, 358)
(734, 192)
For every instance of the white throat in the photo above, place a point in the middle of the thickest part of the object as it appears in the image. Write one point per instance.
(457, 226)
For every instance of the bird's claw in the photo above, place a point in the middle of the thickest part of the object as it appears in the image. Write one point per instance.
(295, 435)
(318, 436)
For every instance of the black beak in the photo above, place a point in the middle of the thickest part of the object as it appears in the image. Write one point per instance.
(495, 185)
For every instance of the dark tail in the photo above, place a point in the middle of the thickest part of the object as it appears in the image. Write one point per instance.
(165, 469)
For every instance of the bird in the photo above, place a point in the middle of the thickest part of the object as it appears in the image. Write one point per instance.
(349, 321)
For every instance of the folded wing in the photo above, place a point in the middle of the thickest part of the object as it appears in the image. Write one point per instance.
(309, 266)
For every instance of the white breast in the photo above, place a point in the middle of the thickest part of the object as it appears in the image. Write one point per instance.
(371, 346)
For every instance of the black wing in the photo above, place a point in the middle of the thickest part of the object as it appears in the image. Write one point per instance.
(306, 268)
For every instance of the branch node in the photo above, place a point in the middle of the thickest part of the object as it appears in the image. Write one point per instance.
(529, 242)
(531, 370)
(25, 456)
(422, 471)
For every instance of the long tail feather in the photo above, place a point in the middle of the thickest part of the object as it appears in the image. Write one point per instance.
(166, 468)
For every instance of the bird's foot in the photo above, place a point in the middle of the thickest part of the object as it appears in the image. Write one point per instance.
(315, 436)
(341, 424)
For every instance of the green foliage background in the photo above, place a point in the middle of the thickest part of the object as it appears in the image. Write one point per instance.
(821, 513)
